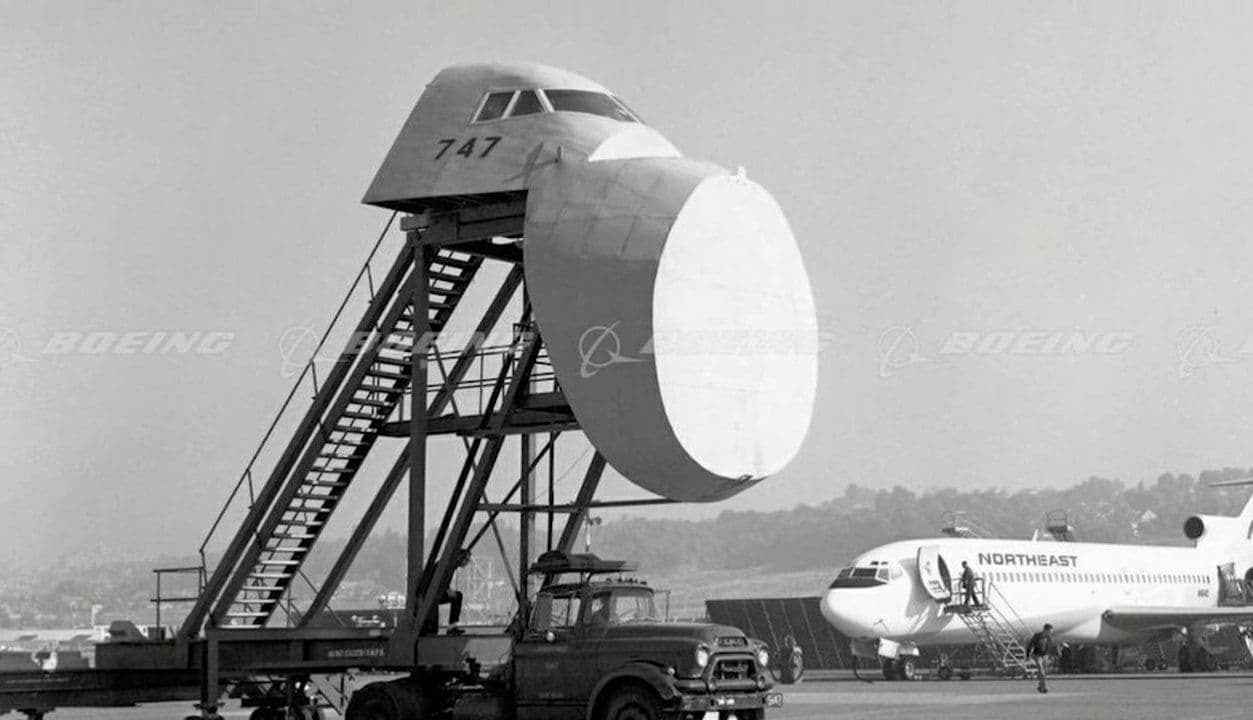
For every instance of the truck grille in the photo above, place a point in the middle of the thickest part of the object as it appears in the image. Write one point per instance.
(732, 641)
(734, 669)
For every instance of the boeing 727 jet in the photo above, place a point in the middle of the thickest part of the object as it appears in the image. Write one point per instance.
(899, 597)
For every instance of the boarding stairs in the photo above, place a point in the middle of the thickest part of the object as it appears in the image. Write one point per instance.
(1060, 526)
(998, 628)
(957, 524)
(342, 436)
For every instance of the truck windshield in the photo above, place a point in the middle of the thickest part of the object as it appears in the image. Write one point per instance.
(555, 612)
(622, 606)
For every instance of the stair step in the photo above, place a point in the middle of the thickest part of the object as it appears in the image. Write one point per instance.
(278, 563)
(333, 471)
(372, 403)
(380, 389)
(456, 291)
(302, 523)
(261, 588)
(362, 416)
(269, 576)
(293, 536)
(313, 496)
(354, 429)
(325, 484)
(247, 614)
(256, 601)
(384, 360)
(351, 457)
(375, 372)
(465, 263)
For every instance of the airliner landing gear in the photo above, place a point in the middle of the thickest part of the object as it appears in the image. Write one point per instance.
(1194, 658)
(902, 668)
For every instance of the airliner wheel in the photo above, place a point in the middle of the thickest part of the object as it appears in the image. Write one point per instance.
(905, 669)
(889, 668)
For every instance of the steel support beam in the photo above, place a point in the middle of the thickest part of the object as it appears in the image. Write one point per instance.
(418, 417)
(591, 481)
(432, 592)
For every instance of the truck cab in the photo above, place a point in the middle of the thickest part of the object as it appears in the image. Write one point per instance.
(597, 648)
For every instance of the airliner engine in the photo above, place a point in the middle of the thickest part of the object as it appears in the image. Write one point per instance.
(670, 292)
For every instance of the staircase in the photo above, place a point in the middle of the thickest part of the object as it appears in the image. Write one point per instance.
(340, 442)
(997, 628)
(1059, 525)
(957, 524)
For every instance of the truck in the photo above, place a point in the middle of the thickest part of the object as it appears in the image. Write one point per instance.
(592, 649)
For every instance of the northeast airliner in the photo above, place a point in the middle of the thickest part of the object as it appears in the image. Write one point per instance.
(898, 597)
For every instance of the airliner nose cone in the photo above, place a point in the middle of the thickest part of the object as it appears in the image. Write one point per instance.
(839, 610)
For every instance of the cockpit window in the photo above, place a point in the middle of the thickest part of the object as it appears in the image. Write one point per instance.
(867, 576)
(526, 104)
(587, 101)
(494, 106)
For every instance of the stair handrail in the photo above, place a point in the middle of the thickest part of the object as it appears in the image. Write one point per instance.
(1016, 623)
(246, 475)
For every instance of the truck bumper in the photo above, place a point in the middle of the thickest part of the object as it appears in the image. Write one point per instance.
(724, 705)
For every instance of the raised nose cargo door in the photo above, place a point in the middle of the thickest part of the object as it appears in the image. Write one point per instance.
(933, 572)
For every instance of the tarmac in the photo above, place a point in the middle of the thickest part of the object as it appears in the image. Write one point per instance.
(1169, 696)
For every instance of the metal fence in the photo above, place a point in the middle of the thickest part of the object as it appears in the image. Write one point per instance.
(772, 619)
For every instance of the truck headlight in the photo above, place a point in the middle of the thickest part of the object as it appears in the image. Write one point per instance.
(763, 658)
(702, 657)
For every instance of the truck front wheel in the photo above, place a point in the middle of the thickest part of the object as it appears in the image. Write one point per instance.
(633, 703)
(395, 700)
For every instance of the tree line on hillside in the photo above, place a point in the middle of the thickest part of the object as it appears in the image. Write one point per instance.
(827, 535)
(808, 537)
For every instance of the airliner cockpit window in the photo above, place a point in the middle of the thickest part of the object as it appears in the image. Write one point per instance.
(494, 106)
(587, 101)
(856, 577)
(526, 104)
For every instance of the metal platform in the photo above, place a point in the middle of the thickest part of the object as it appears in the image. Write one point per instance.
(245, 625)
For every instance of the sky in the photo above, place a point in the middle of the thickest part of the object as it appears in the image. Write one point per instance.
(1025, 225)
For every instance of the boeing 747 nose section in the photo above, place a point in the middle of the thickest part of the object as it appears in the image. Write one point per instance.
(670, 292)
(484, 129)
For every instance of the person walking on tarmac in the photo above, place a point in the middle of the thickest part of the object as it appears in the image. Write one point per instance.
(968, 585)
(1038, 648)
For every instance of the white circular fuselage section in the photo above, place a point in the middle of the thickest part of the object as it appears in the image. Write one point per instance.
(735, 332)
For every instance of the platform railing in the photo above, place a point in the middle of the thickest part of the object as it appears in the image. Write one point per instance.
(158, 599)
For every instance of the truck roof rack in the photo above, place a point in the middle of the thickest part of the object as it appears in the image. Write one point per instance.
(556, 562)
